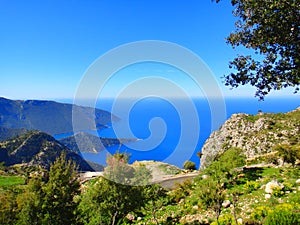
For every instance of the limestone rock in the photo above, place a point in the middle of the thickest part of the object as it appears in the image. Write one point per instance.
(256, 135)
(226, 203)
(273, 185)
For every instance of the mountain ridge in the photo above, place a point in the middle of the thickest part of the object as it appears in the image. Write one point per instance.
(36, 148)
(50, 116)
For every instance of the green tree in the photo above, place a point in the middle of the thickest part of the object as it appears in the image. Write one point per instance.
(189, 165)
(289, 153)
(51, 202)
(272, 30)
(59, 192)
(7, 207)
(118, 193)
(107, 202)
(211, 194)
(30, 203)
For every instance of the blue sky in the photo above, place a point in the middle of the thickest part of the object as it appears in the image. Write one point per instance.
(46, 46)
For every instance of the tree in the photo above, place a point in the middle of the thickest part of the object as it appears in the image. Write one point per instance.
(272, 29)
(63, 185)
(122, 190)
(51, 202)
(211, 195)
(107, 202)
(189, 165)
(289, 153)
(7, 207)
(30, 203)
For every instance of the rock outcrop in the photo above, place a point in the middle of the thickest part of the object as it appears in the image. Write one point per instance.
(254, 134)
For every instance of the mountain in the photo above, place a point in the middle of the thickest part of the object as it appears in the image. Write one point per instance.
(9, 133)
(36, 148)
(50, 117)
(84, 142)
(257, 135)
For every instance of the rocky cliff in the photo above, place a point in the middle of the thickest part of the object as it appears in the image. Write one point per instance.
(255, 134)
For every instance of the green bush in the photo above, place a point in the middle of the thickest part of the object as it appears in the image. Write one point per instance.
(277, 191)
(251, 186)
(224, 220)
(283, 215)
(189, 165)
(260, 213)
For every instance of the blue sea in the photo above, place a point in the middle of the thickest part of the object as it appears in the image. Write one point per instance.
(173, 131)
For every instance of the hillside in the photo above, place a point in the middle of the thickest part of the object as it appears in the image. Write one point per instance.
(84, 142)
(49, 116)
(257, 135)
(8, 133)
(36, 148)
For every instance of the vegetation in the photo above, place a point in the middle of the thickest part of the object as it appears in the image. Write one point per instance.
(226, 192)
(37, 148)
(231, 190)
(189, 165)
(271, 30)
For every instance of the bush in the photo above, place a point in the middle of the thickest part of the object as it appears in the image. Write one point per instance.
(189, 165)
(251, 186)
(283, 214)
(224, 220)
(260, 213)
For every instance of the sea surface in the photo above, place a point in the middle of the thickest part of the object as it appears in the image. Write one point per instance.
(173, 130)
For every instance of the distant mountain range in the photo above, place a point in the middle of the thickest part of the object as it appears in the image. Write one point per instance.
(9, 133)
(35, 148)
(49, 116)
(84, 142)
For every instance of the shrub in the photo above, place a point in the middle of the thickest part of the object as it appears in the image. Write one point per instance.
(283, 214)
(277, 191)
(224, 220)
(189, 165)
(260, 213)
(251, 186)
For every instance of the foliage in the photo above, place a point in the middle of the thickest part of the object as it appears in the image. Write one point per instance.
(118, 193)
(251, 186)
(284, 214)
(289, 153)
(30, 203)
(224, 220)
(155, 197)
(7, 207)
(225, 164)
(11, 180)
(63, 185)
(108, 202)
(169, 169)
(189, 165)
(260, 213)
(118, 170)
(271, 29)
(182, 191)
(51, 202)
(211, 194)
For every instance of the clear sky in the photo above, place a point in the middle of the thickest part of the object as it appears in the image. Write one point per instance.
(47, 45)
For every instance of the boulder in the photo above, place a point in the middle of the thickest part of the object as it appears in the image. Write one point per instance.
(272, 185)
(226, 203)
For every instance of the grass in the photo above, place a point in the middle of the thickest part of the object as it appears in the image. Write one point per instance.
(6, 181)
